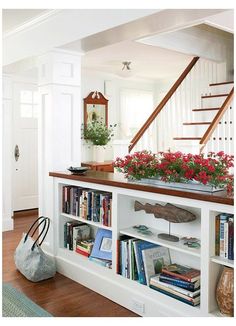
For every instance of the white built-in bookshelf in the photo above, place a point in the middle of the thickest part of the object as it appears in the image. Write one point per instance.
(128, 293)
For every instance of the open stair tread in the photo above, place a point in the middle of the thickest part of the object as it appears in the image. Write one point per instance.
(206, 109)
(215, 95)
(222, 83)
(196, 123)
(187, 138)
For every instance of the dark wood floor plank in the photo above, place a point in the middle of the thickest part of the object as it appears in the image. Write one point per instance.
(60, 296)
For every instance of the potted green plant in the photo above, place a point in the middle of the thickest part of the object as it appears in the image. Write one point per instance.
(99, 134)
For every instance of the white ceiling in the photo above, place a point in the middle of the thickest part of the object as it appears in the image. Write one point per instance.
(146, 61)
(12, 18)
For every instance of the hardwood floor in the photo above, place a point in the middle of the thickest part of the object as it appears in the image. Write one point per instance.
(60, 296)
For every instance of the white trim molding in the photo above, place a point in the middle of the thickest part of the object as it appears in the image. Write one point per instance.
(32, 23)
(7, 222)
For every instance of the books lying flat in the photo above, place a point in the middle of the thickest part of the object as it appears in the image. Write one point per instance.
(102, 262)
(189, 301)
(155, 281)
(191, 286)
(182, 272)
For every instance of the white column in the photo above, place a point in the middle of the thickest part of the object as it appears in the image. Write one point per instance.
(59, 122)
(7, 222)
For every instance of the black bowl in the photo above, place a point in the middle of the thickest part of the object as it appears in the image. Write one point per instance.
(78, 170)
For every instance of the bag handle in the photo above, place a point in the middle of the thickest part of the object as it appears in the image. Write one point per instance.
(46, 225)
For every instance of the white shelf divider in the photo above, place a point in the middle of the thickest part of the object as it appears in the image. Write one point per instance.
(223, 261)
(80, 219)
(178, 246)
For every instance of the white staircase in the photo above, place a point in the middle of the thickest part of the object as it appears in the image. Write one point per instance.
(193, 131)
(181, 120)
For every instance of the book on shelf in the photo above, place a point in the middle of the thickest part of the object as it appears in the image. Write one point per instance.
(102, 247)
(74, 231)
(132, 261)
(80, 232)
(88, 204)
(217, 235)
(126, 263)
(189, 301)
(102, 262)
(182, 272)
(231, 238)
(191, 286)
(68, 234)
(224, 236)
(82, 252)
(156, 281)
(154, 259)
(85, 245)
(140, 245)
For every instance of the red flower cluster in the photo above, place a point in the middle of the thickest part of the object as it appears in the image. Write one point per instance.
(178, 167)
(138, 165)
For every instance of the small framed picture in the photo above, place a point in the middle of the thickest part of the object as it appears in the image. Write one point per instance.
(102, 247)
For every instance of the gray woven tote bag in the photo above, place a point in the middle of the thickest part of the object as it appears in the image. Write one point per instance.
(30, 259)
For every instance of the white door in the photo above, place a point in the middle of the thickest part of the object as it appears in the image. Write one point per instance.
(25, 147)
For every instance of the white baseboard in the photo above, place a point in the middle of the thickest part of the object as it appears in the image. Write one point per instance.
(123, 291)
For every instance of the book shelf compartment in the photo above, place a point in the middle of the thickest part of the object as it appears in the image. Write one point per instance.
(217, 259)
(64, 218)
(86, 205)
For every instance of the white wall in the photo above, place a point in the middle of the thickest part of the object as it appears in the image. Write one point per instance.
(94, 80)
(202, 41)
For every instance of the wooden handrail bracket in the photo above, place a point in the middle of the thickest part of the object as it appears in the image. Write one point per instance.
(217, 118)
(162, 103)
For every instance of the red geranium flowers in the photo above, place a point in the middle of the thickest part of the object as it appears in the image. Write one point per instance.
(178, 167)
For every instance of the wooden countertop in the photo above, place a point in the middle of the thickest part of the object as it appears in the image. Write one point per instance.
(117, 180)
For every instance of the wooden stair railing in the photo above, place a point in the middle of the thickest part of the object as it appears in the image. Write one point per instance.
(162, 103)
(216, 120)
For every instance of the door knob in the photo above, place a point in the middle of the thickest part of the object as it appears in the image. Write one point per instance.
(17, 153)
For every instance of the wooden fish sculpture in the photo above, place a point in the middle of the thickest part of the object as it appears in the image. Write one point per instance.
(168, 212)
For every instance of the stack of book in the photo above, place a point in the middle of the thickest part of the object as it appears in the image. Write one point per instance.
(88, 204)
(224, 236)
(179, 282)
(74, 232)
(139, 259)
(84, 247)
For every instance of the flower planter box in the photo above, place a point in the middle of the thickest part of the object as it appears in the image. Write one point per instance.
(191, 185)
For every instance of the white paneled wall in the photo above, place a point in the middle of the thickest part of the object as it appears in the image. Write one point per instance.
(59, 122)
(169, 123)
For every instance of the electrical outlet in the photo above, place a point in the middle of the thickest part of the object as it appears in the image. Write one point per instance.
(138, 306)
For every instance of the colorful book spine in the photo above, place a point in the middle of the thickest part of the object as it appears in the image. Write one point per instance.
(217, 235)
(190, 302)
(65, 235)
(223, 226)
(191, 294)
(88, 204)
(231, 238)
(180, 283)
(81, 252)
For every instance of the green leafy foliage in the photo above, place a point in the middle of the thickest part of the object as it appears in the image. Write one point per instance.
(98, 133)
